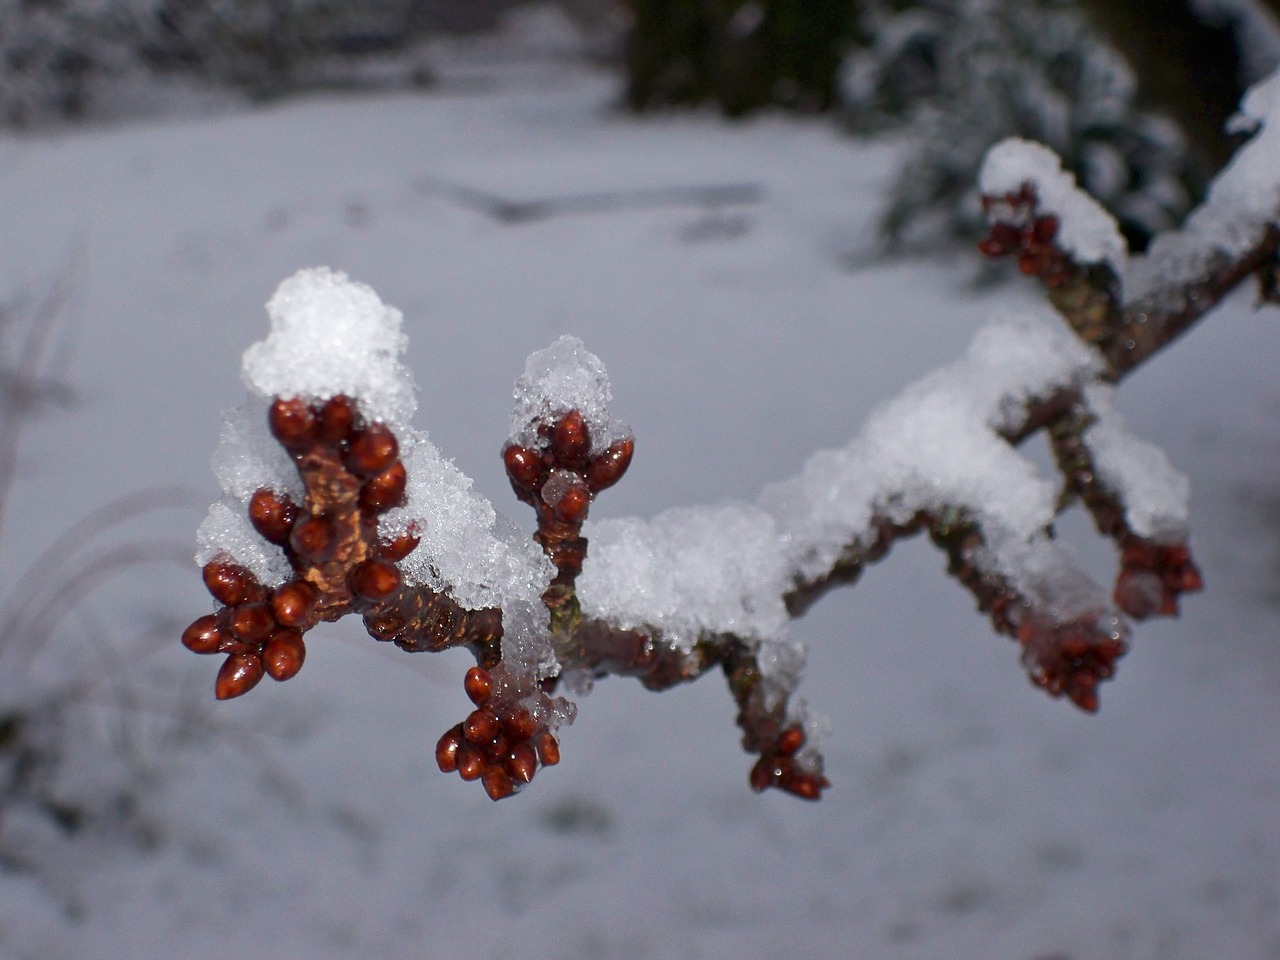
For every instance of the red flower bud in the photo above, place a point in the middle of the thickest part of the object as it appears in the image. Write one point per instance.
(1044, 229)
(522, 762)
(400, 547)
(293, 603)
(293, 423)
(570, 440)
(525, 468)
(385, 490)
(447, 750)
(202, 636)
(519, 725)
(313, 538)
(251, 622)
(273, 516)
(239, 674)
(497, 783)
(283, 655)
(375, 579)
(337, 417)
(470, 762)
(479, 685)
(790, 740)
(548, 749)
(230, 583)
(373, 450)
(607, 469)
(481, 726)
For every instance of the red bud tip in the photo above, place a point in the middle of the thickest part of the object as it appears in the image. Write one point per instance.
(272, 516)
(230, 583)
(570, 440)
(805, 786)
(373, 450)
(292, 604)
(251, 622)
(400, 547)
(524, 467)
(522, 762)
(607, 469)
(470, 763)
(293, 423)
(497, 783)
(284, 654)
(239, 674)
(762, 775)
(202, 636)
(519, 725)
(384, 491)
(375, 579)
(337, 417)
(447, 750)
(790, 740)
(1085, 698)
(481, 726)
(313, 538)
(479, 685)
(548, 749)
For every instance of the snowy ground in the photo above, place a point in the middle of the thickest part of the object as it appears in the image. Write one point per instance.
(970, 815)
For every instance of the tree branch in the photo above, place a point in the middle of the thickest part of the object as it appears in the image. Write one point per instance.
(382, 526)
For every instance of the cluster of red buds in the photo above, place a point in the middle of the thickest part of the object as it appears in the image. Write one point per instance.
(500, 743)
(1017, 228)
(1070, 658)
(1152, 577)
(352, 473)
(780, 766)
(559, 481)
(248, 630)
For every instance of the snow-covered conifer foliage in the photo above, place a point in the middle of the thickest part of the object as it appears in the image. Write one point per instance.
(335, 504)
(963, 74)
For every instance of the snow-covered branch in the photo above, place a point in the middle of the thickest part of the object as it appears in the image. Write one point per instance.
(335, 504)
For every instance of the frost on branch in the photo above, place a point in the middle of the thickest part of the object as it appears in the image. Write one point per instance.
(334, 504)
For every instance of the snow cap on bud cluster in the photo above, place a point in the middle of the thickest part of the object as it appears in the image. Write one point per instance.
(1086, 231)
(565, 376)
(329, 336)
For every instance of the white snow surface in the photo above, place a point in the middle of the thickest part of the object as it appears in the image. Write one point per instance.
(935, 446)
(1156, 496)
(331, 336)
(1085, 229)
(970, 816)
(478, 555)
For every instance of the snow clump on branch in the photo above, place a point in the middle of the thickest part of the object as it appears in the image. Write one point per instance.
(333, 337)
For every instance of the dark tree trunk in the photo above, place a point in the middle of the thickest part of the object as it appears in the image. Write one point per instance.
(743, 54)
(1187, 68)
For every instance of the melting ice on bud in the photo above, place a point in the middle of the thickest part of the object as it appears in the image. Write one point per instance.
(565, 376)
